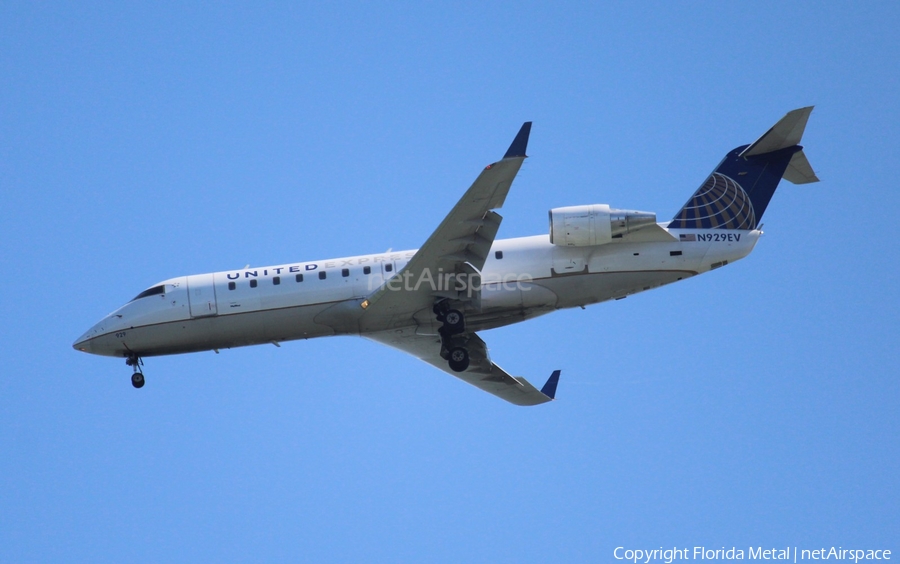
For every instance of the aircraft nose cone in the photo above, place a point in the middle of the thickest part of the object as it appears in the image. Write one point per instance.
(82, 344)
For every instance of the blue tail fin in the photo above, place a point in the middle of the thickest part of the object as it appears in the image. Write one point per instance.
(736, 194)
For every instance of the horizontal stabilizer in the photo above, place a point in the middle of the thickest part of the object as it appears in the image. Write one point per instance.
(799, 171)
(786, 133)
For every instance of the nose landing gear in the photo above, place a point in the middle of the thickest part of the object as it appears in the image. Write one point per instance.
(137, 379)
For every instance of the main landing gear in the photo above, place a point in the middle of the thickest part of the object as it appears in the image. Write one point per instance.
(453, 323)
(458, 359)
(133, 360)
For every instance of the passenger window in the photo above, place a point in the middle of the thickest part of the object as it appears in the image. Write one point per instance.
(388, 267)
(253, 283)
(367, 270)
(345, 272)
(322, 275)
(277, 280)
(498, 255)
(232, 285)
(299, 278)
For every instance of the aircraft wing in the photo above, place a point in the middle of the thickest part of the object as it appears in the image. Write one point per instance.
(460, 244)
(482, 373)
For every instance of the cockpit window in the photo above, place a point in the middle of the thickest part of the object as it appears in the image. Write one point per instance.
(156, 290)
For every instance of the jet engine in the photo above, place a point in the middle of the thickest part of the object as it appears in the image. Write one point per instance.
(586, 226)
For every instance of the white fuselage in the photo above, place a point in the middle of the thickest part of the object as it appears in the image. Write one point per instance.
(315, 299)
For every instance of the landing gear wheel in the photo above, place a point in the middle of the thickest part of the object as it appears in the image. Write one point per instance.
(459, 359)
(454, 321)
(134, 361)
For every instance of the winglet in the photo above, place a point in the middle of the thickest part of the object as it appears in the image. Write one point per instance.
(549, 388)
(520, 143)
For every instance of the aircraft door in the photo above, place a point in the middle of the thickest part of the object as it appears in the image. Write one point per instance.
(391, 268)
(202, 295)
(388, 269)
(381, 272)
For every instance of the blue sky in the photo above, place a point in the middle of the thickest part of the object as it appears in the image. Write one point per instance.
(756, 405)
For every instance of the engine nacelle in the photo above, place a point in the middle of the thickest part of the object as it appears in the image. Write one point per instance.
(586, 226)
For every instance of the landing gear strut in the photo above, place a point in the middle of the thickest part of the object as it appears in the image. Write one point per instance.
(452, 323)
(133, 360)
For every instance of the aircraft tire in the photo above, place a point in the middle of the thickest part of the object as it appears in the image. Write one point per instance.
(459, 359)
(454, 321)
(137, 380)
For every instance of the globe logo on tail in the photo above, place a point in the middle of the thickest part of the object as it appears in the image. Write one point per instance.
(720, 203)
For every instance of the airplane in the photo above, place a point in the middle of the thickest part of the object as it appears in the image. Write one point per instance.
(433, 302)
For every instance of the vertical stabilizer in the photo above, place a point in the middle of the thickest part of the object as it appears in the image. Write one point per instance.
(736, 194)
